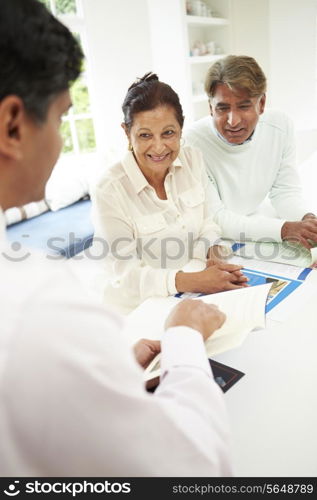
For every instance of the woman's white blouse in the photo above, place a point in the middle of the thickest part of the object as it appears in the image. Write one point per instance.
(143, 240)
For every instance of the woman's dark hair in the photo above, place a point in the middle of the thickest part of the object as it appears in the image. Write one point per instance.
(39, 57)
(148, 93)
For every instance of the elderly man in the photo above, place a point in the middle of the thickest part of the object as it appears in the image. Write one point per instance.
(250, 154)
(73, 401)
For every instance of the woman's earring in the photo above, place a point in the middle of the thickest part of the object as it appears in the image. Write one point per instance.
(130, 148)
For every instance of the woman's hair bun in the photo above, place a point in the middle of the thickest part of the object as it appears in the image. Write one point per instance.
(148, 93)
(148, 77)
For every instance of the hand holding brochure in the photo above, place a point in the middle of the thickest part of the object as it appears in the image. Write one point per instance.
(244, 308)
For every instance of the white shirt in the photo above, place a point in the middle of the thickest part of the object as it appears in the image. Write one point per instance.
(242, 176)
(72, 399)
(148, 239)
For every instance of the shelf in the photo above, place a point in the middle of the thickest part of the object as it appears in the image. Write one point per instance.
(205, 59)
(206, 21)
(200, 98)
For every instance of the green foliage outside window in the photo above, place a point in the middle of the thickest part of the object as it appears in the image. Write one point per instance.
(67, 137)
(62, 6)
(80, 97)
(86, 135)
(65, 7)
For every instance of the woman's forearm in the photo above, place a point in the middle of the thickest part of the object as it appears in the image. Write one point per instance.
(188, 282)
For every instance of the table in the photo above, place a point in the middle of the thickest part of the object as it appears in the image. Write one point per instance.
(273, 408)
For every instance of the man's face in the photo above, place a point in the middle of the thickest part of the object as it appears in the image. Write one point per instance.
(42, 147)
(235, 113)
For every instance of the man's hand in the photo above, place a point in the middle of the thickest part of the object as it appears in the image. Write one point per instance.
(309, 216)
(145, 350)
(303, 232)
(205, 318)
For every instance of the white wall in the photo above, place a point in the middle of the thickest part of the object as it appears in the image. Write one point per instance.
(250, 30)
(280, 34)
(293, 59)
(168, 39)
(119, 50)
(292, 38)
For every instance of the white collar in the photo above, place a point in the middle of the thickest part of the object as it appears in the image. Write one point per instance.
(135, 174)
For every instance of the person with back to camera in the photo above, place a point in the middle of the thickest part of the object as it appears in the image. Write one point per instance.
(250, 154)
(152, 211)
(72, 397)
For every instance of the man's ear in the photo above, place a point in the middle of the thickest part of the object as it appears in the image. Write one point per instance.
(262, 103)
(12, 116)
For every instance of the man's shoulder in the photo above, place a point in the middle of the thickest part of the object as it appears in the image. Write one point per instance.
(35, 275)
(200, 133)
(199, 127)
(201, 123)
(275, 119)
(46, 296)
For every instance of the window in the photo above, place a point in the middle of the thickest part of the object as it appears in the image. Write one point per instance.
(60, 7)
(77, 127)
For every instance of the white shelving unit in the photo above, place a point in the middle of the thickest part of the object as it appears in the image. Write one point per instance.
(206, 21)
(173, 34)
(204, 59)
(201, 30)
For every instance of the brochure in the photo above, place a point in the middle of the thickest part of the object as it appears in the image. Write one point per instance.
(285, 252)
(244, 309)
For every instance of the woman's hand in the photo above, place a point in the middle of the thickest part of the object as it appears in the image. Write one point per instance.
(220, 277)
(213, 259)
(230, 268)
(215, 278)
(219, 252)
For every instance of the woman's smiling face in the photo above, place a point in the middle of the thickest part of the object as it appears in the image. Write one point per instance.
(155, 139)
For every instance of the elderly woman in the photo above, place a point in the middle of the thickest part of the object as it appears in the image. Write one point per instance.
(152, 208)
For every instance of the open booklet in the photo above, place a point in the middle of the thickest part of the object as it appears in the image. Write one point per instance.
(244, 309)
(286, 283)
(285, 253)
